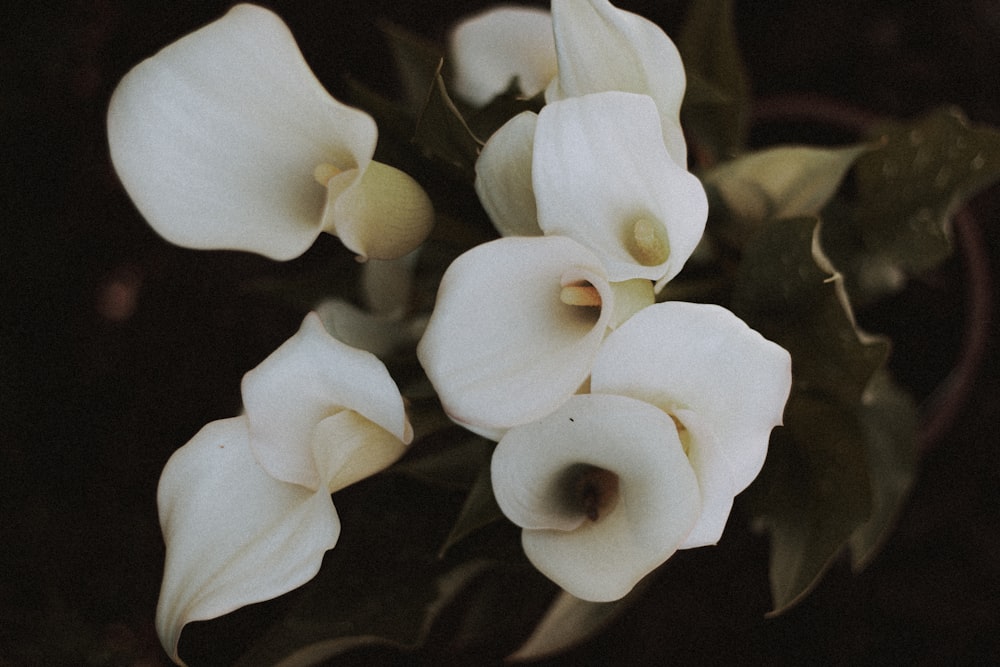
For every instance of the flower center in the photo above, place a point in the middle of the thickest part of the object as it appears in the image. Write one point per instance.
(324, 172)
(580, 295)
(590, 491)
(647, 242)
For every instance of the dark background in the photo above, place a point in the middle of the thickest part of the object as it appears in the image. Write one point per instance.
(115, 347)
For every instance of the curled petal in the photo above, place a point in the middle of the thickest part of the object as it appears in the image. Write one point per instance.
(602, 176)
(506, 343)
(492, 48)
(217, 136)
(313, 376)
(234, 534)
(703, 359)
(600, 48)
(378, 212)
(503, 177)
(603, 490)
(715, 481)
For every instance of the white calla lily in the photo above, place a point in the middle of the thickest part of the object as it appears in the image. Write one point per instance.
(602, 489)
(296, 401)
(245, 506)
(724, 384)
(225, 139)
(234, 534)
(601, 175)
(515, 329)
(492, 48)
(600, 47)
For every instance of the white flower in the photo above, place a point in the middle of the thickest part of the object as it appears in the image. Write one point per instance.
(724, 384)
(225, 139)
(245, 505)
(516, 326)
(606, 488)
(587, 46)
(600, 174)
(602, 489)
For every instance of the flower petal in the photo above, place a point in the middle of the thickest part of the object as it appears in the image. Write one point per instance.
(501, 347)
(600, 47)
(503, 177)
(602, 176)
(490, 49)
(649, 512)
(309, 378)
(234, 534)
(704, 359)
(715, 482)
(348, 448)
(379, 212)
(217, 136)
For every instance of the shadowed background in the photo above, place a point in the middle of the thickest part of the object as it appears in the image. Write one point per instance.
(115, 348)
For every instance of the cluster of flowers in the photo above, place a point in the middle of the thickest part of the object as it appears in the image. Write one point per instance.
(625, 427)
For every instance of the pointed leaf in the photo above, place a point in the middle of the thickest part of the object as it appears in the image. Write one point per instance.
(442, 131)
(480, 509)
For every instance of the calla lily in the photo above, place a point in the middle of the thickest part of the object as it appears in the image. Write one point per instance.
(494, 47)
(600, 174)
(245, 505)
(582, 47)
(515, 329)
(602, 489)
(723, 384)
(225, 139)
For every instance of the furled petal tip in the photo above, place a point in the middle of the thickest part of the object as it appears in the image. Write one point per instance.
(315, 394)
(722, 382)
(221, 137)
(602, 489)
(491, 49)
(515, 329)
(600, 47)
(234, 534)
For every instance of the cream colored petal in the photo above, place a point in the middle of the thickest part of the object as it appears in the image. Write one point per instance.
(348, 448)
(704, 359)
(600, 48)
(602, 176)
(501, 347)
(503, 177)
(234, 534)
(216, 138)
(631, 296)
(715, 481)
(536, 472)
(307, 379)
(488, 50)
(383, 214)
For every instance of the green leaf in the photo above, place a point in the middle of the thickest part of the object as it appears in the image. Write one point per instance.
(908, 188)
(451, 458)
(480, 509)
(715, 108)
(781, 182)
(888, 418)
(899, 224)
(442, 131)
(417, 60)
(814, 491)
(812, 494)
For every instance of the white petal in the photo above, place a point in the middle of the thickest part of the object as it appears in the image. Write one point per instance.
(702, 358)
(309, 378)
(599, 168)
(501, 348)
(216, 138)
(503, 177)
(348, 448)
(600, 48)
(234, 534)
(383, 214)
(490, 49)
(656, 503)
(715, 481)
